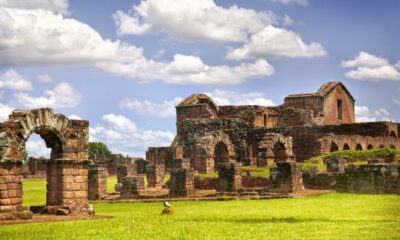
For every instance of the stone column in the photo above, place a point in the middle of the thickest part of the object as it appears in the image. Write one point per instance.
(124, 170)
(229, 177)
(97, 182)
(67, 184)
(181, 182)
(286, 178)
(10, 186)
(155, 175)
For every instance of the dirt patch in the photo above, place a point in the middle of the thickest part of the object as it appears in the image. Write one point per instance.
(43, 218)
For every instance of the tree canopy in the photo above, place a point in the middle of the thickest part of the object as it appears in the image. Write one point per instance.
(98, 148)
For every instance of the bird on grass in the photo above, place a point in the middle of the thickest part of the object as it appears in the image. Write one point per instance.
(167, 204)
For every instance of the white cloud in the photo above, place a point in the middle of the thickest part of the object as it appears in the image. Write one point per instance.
(11, 80)
(371, 68)
(74, 117)
(58, 6)
(190, 70)
(364, 114)
(287, 2)
(45, 78)
(37, 148)
(37, 37)
(200, 20)
(121, 140)
(147, 108)
(223, 97)
(5, 110)
(272, 42)
(63, 95)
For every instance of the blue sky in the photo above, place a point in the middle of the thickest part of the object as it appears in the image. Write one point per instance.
(124, 65)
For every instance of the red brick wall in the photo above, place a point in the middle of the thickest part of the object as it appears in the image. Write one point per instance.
(330, 107)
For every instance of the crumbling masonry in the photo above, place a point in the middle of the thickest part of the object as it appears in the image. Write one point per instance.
(304, 126)
(67, 170)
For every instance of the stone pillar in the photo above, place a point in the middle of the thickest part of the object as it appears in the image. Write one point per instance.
(181, 182)
(132, 186)
(286, 177)
(155, 175)
(10, 186)
(229, 177)
(335, 164)
(67, 184)
(124, 170)
(97, 182)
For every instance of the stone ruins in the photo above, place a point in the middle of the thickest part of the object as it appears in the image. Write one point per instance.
(224, 142)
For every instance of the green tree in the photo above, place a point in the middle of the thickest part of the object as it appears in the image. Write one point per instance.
(98, 148)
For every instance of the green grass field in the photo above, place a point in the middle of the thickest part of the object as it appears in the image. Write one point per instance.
(330, 216)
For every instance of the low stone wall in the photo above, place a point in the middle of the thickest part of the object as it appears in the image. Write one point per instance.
(205, 183)
(367, 178)
(254, 182)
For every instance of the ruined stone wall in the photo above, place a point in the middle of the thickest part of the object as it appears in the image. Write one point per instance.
(313, 141)
(97, 182)
(367, 178)
(11, 186)
(256, 115)
(159, 156)
(196, 111)
(294, 117)
(331, 107)
(305, 101)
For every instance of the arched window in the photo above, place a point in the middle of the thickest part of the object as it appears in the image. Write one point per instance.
(334, 147)
(359, 147)
(346, 146)
(370, 147)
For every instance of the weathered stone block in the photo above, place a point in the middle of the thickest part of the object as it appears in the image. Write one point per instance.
(229, 177)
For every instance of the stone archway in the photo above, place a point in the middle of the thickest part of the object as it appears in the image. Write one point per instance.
(208, 147)
(346, 146)
(221, 154)
(334, 147)
(369, 147)
(276, 148)
(359, 147)
(67, 170)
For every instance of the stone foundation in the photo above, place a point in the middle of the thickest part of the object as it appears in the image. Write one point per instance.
(335, 164)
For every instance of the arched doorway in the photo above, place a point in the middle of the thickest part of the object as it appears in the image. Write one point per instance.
(346, 146)
(279, 152)
(359, 147)
(381, 146)
(221, 154)
(67, 170)
(393, 134)
(392, 147)
(370, 147)
(334, 147)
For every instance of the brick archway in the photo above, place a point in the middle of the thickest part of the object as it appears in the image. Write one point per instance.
(67, 171)
(205, 151)
(275, 148)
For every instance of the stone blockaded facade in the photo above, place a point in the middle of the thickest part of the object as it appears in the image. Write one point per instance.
(305, 125)
(67, 169)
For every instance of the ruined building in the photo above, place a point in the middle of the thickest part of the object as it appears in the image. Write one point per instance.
(305, 125)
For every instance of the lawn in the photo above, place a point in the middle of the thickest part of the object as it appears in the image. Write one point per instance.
(330, 216)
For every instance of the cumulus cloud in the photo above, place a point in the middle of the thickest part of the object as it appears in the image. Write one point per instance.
(273, 42)
(75, 117)
(5, 110)
(223, 97)
(364, 114)
(200, 20)
(37, 37)
(57, 6)
(45, 78)
(12, 80)
(148, 108)
(371, 68)
(122, 136)
(63, 95)
(37, 148)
